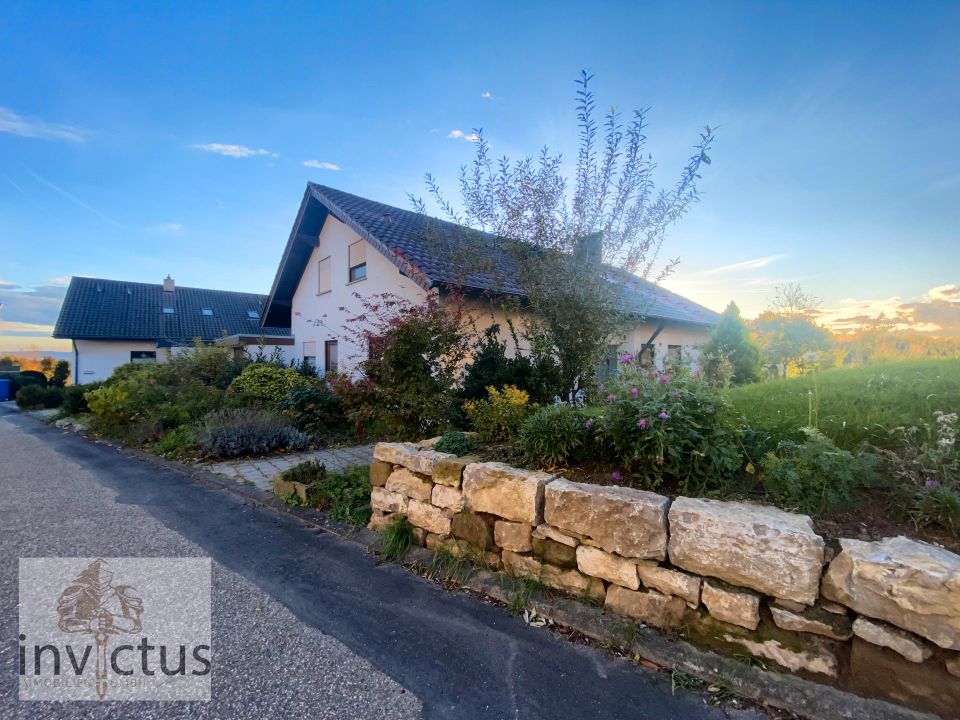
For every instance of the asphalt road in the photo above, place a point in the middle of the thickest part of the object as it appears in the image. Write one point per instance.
(304, 625)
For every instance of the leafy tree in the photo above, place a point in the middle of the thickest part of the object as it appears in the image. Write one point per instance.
(571, 249)
(787, 332)
(61, 373)
(731, 339)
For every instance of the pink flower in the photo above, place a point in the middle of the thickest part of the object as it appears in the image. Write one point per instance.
(664, 379)
(589, 423)
(931, 484)
(616, 475)
(626, 358)
(676, 396)
(611, 398)
(634, 393)
(664, 415)
(642, 423)
(153, 381)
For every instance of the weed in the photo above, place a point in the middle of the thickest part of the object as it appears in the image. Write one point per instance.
(396, 540)
(680, 678)
(525, 589)
(448, 566)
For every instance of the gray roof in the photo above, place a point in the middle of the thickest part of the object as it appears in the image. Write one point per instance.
(100, 309)
(432, 252)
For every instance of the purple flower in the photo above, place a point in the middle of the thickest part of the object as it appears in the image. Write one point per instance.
(601, 386)
(663, 415)
(642, 423)
(634, 392)
(616, 475)
(611, 398)
(664, 379)
(932, 484)
(588, 423)
(626, 358)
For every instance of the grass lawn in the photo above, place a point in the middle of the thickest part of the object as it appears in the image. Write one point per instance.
(851, 405)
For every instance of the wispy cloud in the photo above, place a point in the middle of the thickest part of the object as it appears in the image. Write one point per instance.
(59, 281)
(486, 95)
(461, 135)
(7, 284)
(14, 124)
(169, 228)
(753, 264)
(71, 197)
(320, 165)
(234, 151)
(22, 328)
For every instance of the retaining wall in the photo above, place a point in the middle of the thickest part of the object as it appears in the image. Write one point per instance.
(880, 619)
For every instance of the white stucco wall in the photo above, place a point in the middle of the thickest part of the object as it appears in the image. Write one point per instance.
(317, 318)
(689, 337)
(96, 359)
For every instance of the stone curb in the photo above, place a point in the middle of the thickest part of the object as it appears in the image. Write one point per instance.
(808, 699)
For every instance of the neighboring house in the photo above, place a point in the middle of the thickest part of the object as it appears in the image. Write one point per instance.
(113, 322)
(342, 244)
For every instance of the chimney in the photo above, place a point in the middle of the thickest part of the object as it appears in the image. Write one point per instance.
(588, 249)
(168, 284)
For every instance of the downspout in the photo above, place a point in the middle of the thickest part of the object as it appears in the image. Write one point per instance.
(649, 343)
(76, 362)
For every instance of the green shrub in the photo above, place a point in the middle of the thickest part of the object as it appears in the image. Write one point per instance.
(499, 417)
(26, 377)
(229, 433)
(552, 435)
(456, 442)
(74, 400)
(344, 496)
(815, 476)
(936, 504)
(266, 383)
(315, 410)
(672, 428)
(490, 366)
(307, 472)
(35, 396)
(179, 442)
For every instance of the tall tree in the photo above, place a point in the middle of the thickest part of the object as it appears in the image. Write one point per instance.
(787, 331)
(731, 340)
(571, 249)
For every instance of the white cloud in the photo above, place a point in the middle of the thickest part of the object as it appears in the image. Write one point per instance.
(170, 228)
(59, 281)
(486, 95)
(743, 265)
(937, 311)
(15, 124)
(461, 135)
(234, 151)
(318, 165)
(7, 284)
(23, 328)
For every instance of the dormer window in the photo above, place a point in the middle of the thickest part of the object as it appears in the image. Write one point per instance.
(253, 314)
(168, 311)
(206, 311)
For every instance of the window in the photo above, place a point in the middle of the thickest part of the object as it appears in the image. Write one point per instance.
(143, 356)
(323, 276)
(674, 356)
(358, 261)
(310, 354)
(168, 311)
(330, 356)
(253, 314)
(206, 311)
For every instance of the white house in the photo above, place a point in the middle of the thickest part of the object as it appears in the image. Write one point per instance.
(342, 245)
(113, 322)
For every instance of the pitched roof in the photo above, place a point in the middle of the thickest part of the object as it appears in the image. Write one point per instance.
(429, 251)
(100, 309)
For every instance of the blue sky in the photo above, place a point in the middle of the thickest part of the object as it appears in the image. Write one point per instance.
(836, 164)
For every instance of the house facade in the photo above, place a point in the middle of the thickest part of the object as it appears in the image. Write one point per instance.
(114, 322)
(342, 245)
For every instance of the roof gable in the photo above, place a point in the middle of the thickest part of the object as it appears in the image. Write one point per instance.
(413, 243)
(95, 308)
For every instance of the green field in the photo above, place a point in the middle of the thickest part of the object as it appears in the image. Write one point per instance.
(851, 405)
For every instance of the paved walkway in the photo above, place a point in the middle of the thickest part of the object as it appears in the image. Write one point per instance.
(260, 471)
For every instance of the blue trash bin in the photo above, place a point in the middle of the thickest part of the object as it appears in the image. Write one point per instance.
(5, 386)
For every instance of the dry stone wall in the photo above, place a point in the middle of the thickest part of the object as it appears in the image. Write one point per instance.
(735, 576)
